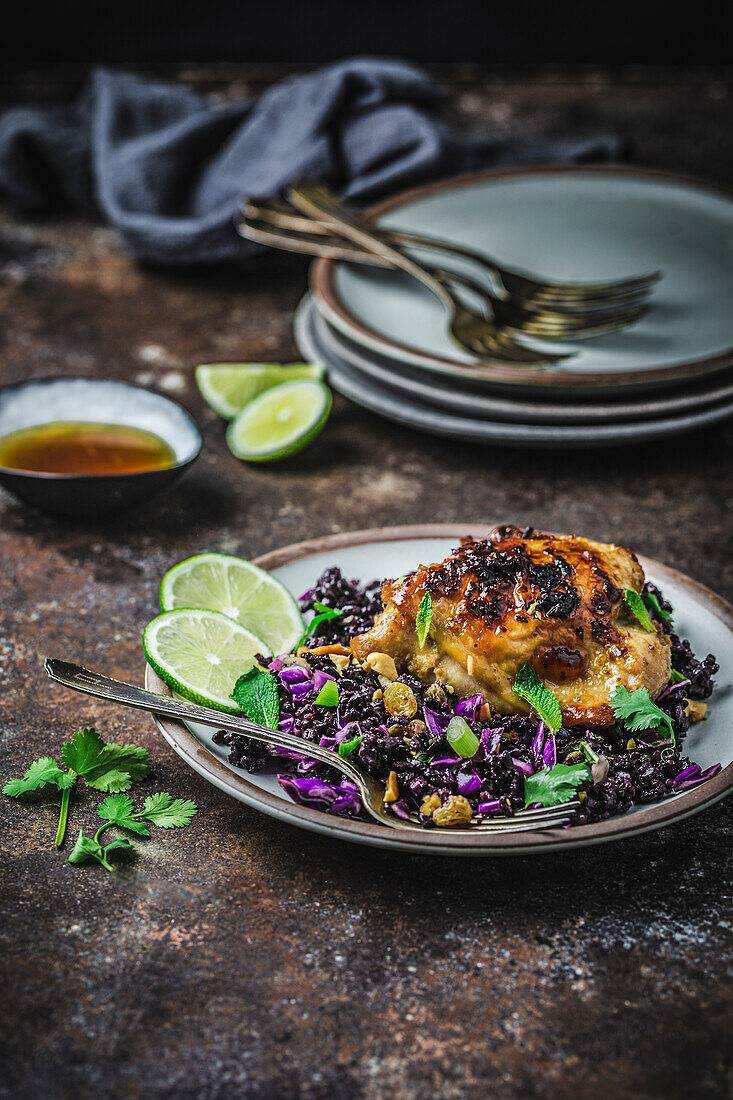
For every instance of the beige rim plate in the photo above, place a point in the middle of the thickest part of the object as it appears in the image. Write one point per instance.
(702, 615)
(587, 223)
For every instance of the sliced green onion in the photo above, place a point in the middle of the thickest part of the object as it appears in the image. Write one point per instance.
(328, 696)
(461, 737)
(588, 752)
(676, 677)
(347, 747)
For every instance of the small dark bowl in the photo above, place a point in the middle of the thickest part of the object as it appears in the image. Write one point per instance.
(49, 400)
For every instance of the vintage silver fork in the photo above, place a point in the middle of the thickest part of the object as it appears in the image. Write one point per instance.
(259, 224)
(372, 793)
(481, 338)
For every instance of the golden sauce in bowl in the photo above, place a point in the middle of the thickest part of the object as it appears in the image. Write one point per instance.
(85, 448)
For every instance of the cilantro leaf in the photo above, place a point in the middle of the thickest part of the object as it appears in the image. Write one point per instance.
(86, 847)
(527, 685)
(638, 712)
(653, 605)
(117, 809)
(105, 766)
(39, 774)
(167, 812)
(256, 695)
(635, 602)
(555, 785)
(423, 619)
(328, 696)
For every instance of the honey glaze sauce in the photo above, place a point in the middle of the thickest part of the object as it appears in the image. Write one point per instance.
(81, 447)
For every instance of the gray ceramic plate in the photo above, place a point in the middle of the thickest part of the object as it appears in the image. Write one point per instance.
(563, 223)
(700, 615)
(413, 413)
(463, 398)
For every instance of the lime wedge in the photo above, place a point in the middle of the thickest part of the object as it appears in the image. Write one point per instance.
(201, 654)
(280, 421)
(240, 590)
(228, 387)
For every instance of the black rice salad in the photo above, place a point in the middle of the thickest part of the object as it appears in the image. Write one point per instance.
(397, 731)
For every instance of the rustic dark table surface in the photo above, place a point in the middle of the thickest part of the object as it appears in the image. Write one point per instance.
(242, 957)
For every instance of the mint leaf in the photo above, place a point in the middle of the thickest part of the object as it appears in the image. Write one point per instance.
(653, 605)
(325, 615)
(256, 695)
(555, 785)
(167, 812)
(635, 602)
(39, 774)
(528, 686)
(423, 618)
(637, 711)
(328, 696)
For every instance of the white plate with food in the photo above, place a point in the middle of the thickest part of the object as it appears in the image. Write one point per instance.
(454, 730)
(575, 223)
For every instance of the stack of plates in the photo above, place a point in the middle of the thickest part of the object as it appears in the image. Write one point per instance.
(383, 338)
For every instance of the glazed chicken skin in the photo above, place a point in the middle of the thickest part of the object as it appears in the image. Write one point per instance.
(555, 601)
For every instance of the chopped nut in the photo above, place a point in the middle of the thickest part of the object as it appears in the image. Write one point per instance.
(456, 810)
(400, 700)
(630, 745)
(695, 710)
(582, 796)
(382, 664)
(429, 804)
(377, 695)
(470, 664)
(339, 661)
(391, 793)
(322, 650)
(484, 713)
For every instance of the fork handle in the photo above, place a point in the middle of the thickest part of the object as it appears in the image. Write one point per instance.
(319, 202)
(115, 691)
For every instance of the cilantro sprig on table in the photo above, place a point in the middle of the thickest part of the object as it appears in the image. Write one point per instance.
(159, 809)
(104, 766)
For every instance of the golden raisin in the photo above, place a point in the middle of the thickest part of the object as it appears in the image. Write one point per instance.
(456, 810)
(430, 804)
(399, 699)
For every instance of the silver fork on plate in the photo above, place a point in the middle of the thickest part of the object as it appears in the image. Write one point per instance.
(267, 224)
(372, 793)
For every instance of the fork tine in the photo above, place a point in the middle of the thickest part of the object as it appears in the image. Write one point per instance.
(550, 331)
(548, 293)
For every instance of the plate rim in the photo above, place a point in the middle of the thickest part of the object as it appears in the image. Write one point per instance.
(322, 285)
(400, 409)
(653, 816)
(508, 409)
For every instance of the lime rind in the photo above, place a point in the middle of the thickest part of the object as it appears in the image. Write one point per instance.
(262, 432)
(200, 654)
(228, 387)
(239, 589)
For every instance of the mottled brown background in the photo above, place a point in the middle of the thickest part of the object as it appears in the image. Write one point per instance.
(242, 957)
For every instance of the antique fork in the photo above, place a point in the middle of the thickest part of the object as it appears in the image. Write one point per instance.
(510, 313)
(472, 332)
(372, 792)
(516, 284)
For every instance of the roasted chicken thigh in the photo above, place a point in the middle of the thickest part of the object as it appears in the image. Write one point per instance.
(555, 601)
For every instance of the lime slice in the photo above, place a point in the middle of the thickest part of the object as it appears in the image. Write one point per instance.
(280, 421)
(201, 654)
(228, 387)
(240, 590)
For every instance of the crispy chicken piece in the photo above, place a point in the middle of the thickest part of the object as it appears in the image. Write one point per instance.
(553, 600)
